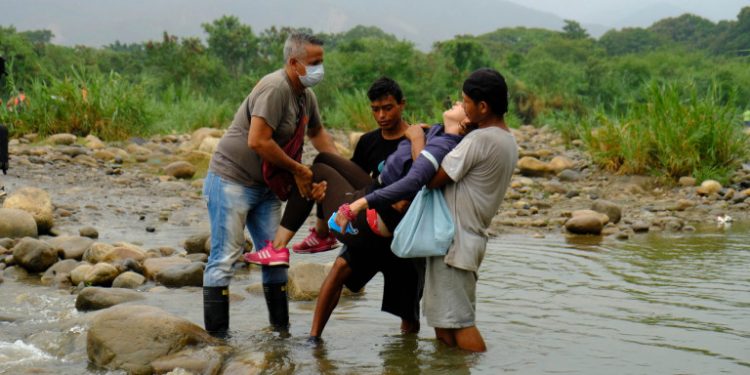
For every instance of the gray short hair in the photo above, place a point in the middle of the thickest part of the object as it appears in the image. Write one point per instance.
(294, 47)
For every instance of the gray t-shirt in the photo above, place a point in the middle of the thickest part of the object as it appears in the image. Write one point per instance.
(481, 167)
(274, 100)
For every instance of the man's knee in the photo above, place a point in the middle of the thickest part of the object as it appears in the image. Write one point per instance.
(340, 271)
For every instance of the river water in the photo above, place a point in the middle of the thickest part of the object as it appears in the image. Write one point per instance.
(656, 304)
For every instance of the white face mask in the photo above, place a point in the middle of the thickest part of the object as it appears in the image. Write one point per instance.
(314, 75)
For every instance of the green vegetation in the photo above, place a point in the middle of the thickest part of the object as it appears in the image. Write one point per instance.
(664, 99)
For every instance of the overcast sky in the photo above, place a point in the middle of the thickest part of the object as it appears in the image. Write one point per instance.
(100, 22)
(611, 12)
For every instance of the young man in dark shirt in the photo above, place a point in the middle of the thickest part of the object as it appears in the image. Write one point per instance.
(356, 266)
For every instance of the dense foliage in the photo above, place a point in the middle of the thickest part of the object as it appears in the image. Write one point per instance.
(580, 85)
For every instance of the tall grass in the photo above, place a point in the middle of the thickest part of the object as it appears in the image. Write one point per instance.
(180, 109)
(81, 103)
(350, 111)
(676, 131)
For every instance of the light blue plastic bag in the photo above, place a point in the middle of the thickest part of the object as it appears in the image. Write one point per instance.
(427, 228)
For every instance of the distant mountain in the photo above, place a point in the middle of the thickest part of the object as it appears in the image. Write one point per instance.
(645, 17)
(100, 22)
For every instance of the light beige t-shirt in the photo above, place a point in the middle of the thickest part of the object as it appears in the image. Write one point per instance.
(481, 167)
(274, 100)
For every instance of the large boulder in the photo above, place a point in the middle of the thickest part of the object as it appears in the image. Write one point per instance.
(180, 169)
(36, 202)
(78, 274)
(585, 224)
(96, 298)
(152, 266)
(531, 166)
(101, 274)
(207, 360)
(305, 280)
(180, 275)
(34, 255)
(15, 223)
(121, 253)
(197, 243)
(709, 187)
(560, 163)
(96, 252)
(613, 211)
(209, 145)
(59, 272)
(129, 280)
(73, 246)
(131, 337)
(62, 139)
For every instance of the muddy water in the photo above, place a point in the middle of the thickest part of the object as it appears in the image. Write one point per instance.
(656, 304)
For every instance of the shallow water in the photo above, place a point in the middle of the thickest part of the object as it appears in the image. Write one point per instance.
(656, 304)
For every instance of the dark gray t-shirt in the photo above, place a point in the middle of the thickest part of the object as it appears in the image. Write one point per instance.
(274, 100)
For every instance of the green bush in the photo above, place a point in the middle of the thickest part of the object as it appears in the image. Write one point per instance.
(113, 108)
(676, 131)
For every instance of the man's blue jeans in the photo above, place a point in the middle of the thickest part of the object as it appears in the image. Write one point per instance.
(231, 207)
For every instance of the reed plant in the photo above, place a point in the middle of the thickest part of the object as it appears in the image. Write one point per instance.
(181, 109)
(80, 103)
(350, 111)
(676, 131)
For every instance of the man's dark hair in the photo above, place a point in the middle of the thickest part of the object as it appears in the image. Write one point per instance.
(384, 86)
(488, 85)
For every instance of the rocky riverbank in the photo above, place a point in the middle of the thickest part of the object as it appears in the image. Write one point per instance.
(110, 221)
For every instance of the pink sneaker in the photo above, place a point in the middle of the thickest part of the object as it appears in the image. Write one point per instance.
(268, 256)
(315, 244)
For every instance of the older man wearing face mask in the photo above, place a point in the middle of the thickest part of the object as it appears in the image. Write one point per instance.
(253, 169)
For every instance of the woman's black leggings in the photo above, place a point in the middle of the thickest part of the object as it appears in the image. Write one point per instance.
(344, 178)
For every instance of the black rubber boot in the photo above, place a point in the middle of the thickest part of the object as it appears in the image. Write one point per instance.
(278, 306)
(216, 310)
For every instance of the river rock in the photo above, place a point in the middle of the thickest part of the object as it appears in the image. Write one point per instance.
(73, 246)
(104, 155)
(207, 360)
(559, 164)
(180, 275)
(34, 255)
(197, 257)
(590, 223)
(94, 143)
(532, 167)
(128, 280)
(198, 136)
(709, 187)
(613, 211)
(209, 145)
(101, 274)
(36, 202)
(89, 232)
(180, 169)
(569, 175)
(197, 243)
(121, 253)
(59, 272)
(15, 273)
(153, 266)
(96, 298)
(687, 181)
(7, 242)
(15, 223)
(554, 187)
(96, 252)
(62, 139)
(305, 280)
(78, 274)
(131, 337)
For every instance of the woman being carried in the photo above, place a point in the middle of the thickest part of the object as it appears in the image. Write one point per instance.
(365, 204)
